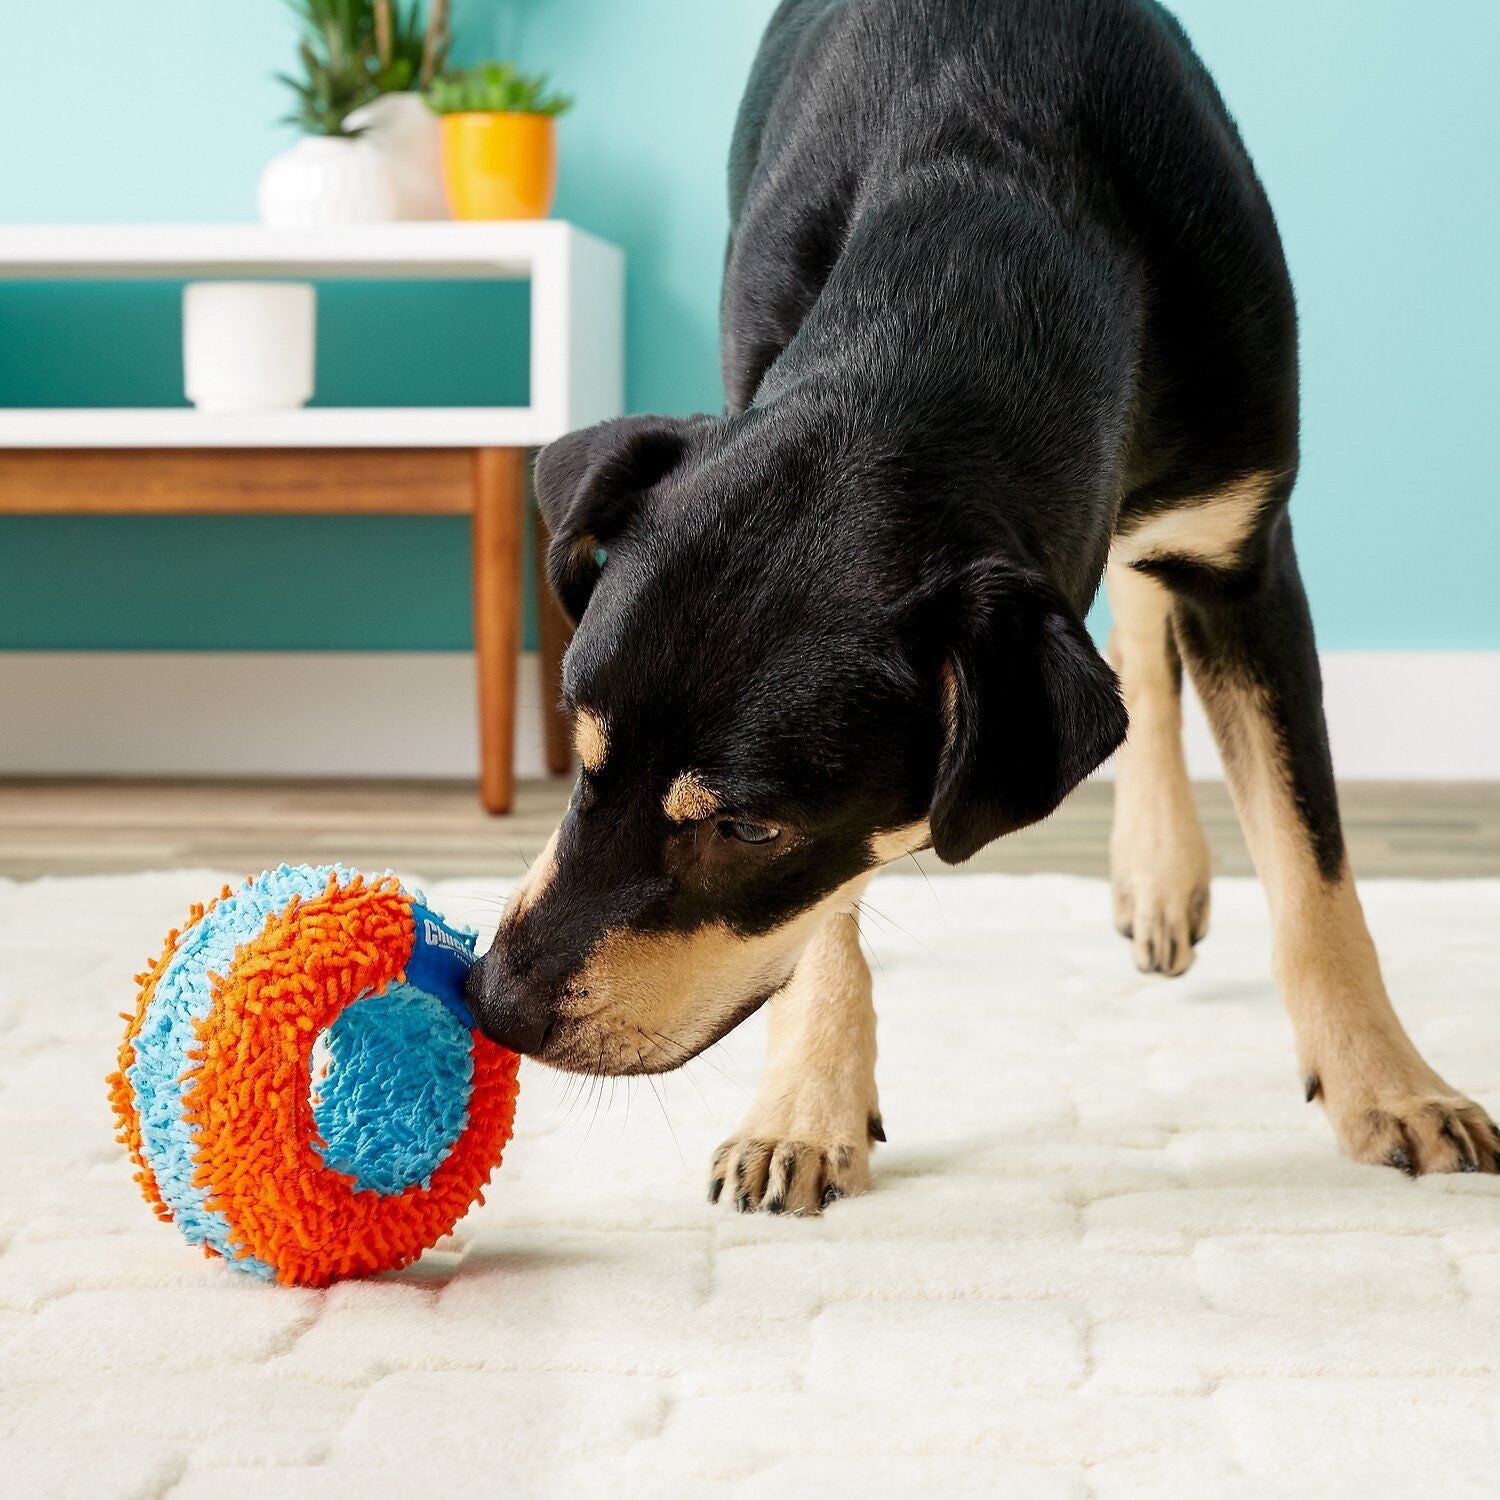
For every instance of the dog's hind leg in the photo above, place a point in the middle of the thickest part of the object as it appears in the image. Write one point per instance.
(807, 1138)
(1246, 634)
(1158, 856)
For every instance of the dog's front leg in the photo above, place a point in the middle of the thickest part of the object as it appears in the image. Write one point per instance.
(807, 1139)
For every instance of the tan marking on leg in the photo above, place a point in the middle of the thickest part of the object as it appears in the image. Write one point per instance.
(688, 800)
(1210, 531)
(807, 1137)
(590, 739)
(538, 877)
(1159, 857)
(652, 1000)
(1386, 1104)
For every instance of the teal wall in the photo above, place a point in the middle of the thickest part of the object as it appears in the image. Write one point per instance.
(1374, 122)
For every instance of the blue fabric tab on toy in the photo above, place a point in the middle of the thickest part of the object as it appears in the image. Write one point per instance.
(441, 957)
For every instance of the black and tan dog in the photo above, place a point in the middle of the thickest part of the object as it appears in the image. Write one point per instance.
(1005, 313)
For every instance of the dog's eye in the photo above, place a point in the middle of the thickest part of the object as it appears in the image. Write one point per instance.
(747, 833)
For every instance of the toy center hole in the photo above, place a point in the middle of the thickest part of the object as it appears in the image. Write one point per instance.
(390, 1088)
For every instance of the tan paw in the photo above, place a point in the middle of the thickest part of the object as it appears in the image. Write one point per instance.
(789, 1176)
(1163, 921)
(1427, 1128)
(1161, 868)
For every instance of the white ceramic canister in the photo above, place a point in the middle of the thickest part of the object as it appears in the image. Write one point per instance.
(249, 345)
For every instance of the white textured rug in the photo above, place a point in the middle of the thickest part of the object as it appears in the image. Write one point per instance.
(1109, 1250)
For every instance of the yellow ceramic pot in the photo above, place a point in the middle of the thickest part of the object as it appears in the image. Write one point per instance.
(499, 166)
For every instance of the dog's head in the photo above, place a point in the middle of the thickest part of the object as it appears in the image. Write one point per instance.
(782, 677)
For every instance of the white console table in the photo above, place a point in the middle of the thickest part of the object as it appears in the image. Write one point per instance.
(359, 461)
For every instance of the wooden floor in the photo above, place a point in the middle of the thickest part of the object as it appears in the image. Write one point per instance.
(436, 829)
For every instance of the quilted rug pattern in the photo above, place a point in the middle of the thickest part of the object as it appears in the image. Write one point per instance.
(1109, 1251)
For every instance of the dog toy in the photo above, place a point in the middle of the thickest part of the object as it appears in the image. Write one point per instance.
(301, 1087)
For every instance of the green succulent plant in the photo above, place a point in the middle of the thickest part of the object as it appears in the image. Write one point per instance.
(494, 88)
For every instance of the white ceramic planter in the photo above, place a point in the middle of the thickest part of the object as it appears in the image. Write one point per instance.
(248, 345)
(327, 180)
(408, 137)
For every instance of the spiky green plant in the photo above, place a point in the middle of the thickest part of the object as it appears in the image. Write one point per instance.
(331, 89)
(338, 73)
(436, 41)
(352, 51)
(409, 49)
(495, 88)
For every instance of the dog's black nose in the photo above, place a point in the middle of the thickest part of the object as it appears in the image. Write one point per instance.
(503, 1010)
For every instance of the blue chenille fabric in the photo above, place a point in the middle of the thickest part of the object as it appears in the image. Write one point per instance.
(395, 1094)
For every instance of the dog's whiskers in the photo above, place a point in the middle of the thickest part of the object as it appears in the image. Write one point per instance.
(937, 900)
(662, 1104)
(686, 1071)
(598, 1091)
(864, 906)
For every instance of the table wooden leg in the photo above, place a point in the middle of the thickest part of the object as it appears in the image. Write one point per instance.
(554, 630)
(499, 490)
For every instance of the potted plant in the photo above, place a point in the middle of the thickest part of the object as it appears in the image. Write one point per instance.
(331, 176)
(499, 138)
(408, 54)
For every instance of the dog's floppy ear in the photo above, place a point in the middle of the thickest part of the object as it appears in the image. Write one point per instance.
(1030, 707)
(591, 484)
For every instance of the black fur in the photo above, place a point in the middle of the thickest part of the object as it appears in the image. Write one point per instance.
(1001, 283)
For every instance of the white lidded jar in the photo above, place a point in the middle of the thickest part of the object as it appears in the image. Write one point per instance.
(409, 138)
(249, 345)
(326, 180)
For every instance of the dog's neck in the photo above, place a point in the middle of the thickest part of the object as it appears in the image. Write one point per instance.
(976, 343)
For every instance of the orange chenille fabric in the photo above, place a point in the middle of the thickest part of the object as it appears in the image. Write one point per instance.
(250, 1108)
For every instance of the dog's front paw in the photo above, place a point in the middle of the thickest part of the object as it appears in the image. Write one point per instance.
(1160, 863)
(787, 1175)
(1163, 928)
(1163, 910)
(1410, 1120)
(807, 1138)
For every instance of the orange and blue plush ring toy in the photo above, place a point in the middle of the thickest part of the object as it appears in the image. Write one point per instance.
(301, 1086)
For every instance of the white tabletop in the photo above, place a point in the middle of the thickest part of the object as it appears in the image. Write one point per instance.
(577, 326)
(506, 251)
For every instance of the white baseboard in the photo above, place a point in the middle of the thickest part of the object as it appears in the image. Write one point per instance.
(251, 713)
(1398, 716)
(1395, 716)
